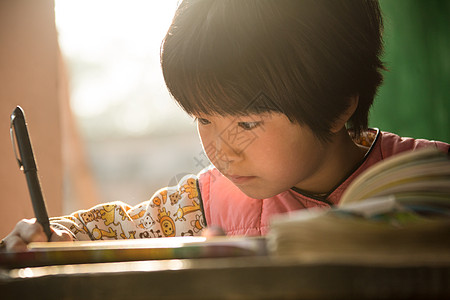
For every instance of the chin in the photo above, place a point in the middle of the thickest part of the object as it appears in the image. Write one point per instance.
(257, 194)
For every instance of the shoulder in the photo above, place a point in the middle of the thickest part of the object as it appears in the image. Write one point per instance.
(382, 145)
(208, 177)
(391, 144)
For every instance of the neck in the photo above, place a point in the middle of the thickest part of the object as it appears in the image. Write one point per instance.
(341, 156)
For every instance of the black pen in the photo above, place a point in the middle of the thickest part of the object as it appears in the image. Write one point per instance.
(27, 164)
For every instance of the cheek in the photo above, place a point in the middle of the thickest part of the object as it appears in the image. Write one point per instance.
(287, 157)
(269, 157)
(205, 138)
(208, 144)
(281, 162)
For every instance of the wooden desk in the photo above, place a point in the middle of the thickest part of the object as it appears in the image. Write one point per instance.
(226, 278)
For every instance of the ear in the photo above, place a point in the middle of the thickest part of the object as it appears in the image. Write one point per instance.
(340, 122)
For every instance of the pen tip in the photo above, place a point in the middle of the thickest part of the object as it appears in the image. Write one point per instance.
(18, 111)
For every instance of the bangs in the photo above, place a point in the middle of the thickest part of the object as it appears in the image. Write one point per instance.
(210, 66)
(198, 92)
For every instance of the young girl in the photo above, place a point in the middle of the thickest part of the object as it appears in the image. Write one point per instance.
(273, 85)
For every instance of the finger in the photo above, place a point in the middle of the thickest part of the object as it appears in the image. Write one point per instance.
(14, 243)
(30, 231)
(60, 236)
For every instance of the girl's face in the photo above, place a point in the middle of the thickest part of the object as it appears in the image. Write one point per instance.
(263, 154)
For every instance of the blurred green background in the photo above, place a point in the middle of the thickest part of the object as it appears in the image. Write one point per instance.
(414, 99)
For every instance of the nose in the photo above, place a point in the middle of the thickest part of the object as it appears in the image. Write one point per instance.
(221, 152)
(225, 150)
(219, 143)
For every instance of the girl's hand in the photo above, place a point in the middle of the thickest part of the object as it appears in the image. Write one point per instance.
(213, 231)
(27, 231)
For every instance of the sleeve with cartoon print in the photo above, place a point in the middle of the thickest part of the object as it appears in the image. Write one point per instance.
(171, 211)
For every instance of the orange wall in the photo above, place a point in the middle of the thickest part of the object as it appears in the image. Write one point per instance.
(29, 77)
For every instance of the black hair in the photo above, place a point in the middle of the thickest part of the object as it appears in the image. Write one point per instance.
(304, 58)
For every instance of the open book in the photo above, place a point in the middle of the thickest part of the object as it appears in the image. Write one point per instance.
(397, 211)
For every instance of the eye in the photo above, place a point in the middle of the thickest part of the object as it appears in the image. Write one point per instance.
(249, 125)
(203, 121)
